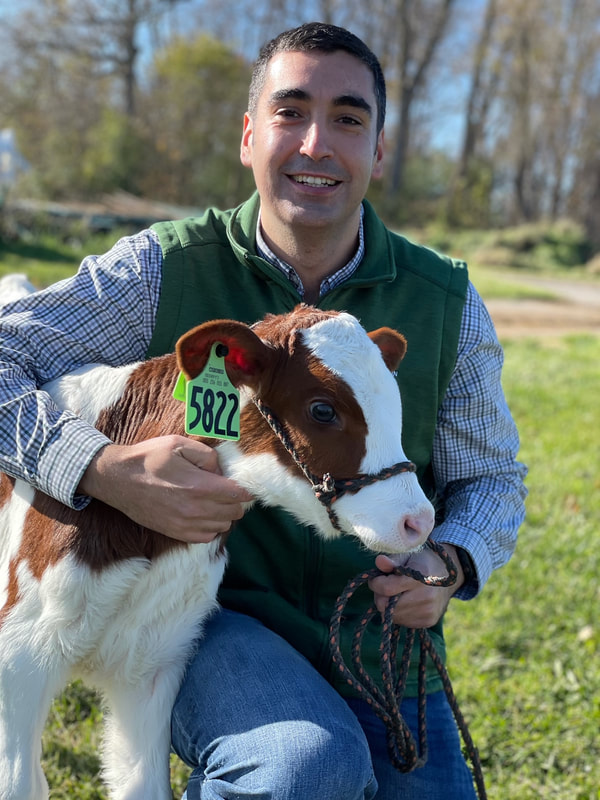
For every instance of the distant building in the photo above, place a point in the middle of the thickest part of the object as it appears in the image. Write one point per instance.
(12, 162)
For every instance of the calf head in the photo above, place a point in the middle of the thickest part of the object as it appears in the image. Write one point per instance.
(329, 387)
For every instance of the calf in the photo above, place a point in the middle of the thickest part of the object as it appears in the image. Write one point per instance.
(91, 593)
(14, 286)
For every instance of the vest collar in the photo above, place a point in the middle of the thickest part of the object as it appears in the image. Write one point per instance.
(377, 266)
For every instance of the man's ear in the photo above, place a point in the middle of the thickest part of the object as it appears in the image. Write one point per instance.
(377, 170)
(246, 147)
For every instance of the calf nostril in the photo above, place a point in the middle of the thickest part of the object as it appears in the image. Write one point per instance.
(418, 525)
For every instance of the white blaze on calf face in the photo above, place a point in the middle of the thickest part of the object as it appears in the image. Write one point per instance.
(393, 514)
(343, 346)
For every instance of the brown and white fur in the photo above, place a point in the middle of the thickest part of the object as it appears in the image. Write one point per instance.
(90, 593)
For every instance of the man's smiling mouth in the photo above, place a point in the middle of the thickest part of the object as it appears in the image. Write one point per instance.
(312, 180)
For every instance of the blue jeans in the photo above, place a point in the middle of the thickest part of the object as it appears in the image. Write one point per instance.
(255, 720)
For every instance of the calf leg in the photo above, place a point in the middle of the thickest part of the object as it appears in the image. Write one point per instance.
(138, 735)
(26, 691)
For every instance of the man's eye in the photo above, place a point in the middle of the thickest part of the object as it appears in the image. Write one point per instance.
(323, 412)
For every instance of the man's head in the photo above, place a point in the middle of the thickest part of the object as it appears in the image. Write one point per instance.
(313, 140)
(320, 37)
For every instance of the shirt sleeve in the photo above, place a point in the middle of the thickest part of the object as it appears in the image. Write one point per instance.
(478, 478)
(104, 314)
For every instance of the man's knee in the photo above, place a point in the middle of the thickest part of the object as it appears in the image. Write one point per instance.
(289, 760)
(328, 764)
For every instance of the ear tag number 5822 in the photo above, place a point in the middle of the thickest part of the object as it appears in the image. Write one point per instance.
(212, 403)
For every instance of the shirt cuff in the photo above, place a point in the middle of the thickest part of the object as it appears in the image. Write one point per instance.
(66, 458)
(476, 547)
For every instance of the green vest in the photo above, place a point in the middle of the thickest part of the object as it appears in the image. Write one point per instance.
(280, 571)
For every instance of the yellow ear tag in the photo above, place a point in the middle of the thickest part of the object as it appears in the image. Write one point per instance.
(179, 390)
(212, 403)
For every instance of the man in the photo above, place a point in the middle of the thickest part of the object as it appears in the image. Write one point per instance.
(261, 712)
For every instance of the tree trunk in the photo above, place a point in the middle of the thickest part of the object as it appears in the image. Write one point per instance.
(412, 69)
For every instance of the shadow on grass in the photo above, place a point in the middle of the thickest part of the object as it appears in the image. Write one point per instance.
(38, 251)
(81, 763)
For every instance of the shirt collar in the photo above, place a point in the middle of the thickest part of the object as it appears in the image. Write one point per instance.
(328, 283)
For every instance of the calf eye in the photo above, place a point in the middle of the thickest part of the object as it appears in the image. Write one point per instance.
(322, 412)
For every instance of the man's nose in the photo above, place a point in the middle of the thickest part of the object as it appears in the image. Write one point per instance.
(316, 142)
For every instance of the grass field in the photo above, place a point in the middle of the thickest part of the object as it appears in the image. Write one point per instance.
(525, 656)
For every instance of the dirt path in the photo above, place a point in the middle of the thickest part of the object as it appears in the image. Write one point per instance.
(576, 310)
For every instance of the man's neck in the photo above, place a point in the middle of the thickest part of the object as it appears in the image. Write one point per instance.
(314, 256)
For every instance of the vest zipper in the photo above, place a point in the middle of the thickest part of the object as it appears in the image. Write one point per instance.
(312, 573)
(312, 605)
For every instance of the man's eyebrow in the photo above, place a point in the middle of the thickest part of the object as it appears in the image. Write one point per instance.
(288, 94)
(352, 100)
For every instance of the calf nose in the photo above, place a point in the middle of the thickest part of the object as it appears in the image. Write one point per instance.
(415, 528)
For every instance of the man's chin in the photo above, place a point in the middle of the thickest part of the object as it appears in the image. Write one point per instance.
(312, 212)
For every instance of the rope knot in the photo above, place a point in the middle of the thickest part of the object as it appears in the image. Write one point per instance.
(326, 490)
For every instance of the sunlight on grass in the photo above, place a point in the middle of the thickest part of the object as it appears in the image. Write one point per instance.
(524, 656)
(48, 259)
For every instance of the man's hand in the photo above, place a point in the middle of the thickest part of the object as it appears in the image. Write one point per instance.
(419, 606)
(170, 484)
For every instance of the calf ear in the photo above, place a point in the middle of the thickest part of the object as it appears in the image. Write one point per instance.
(246, 356)
(392, 345)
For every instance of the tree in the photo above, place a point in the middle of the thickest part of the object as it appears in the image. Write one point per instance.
(92, 114)
(101, 32)
(574, 70)
(421, 26)
(73, 91)
(197, 96)
(541, 99)
(583, 202)
(470, 189)
(51, 108)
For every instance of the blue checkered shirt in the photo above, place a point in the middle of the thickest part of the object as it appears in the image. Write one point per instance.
(106, 314)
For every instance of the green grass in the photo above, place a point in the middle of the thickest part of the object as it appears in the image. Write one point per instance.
(550, 247)
(495, 258)
(48, 259)
(71, 745)
(71, 748)
(525, 656)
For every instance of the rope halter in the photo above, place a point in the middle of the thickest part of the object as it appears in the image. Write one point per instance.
(328, 489)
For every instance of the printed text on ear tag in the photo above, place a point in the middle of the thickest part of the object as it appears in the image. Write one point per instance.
(212, 403)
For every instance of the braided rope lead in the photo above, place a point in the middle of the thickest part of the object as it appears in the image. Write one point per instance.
(403, 750)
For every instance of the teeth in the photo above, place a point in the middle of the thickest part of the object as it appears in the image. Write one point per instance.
(313, 181)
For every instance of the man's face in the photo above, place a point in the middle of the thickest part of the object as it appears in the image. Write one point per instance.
(312, 142)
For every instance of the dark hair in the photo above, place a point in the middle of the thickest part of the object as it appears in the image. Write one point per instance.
(328, 39)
